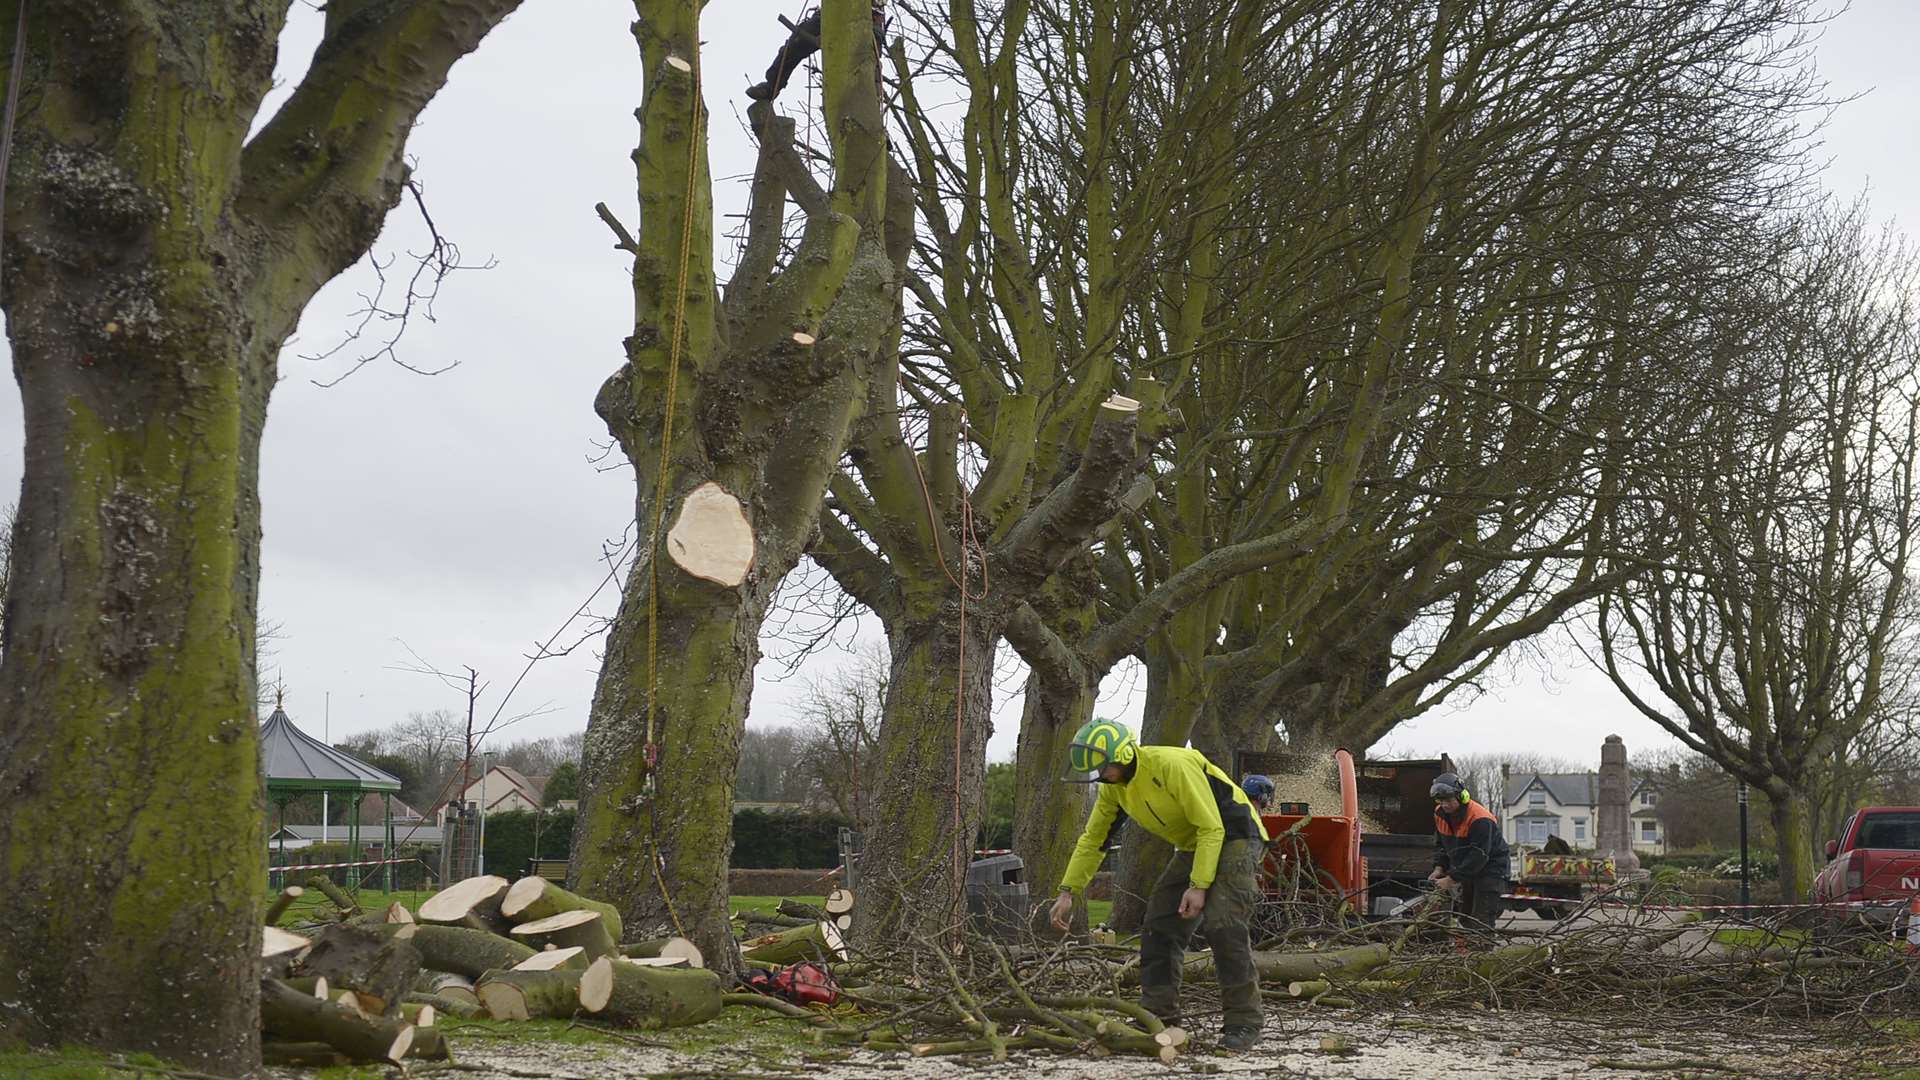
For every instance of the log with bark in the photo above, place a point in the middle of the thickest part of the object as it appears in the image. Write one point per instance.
(534, 898)
(629, 995)
(348, 906)
(378, 968)
(813, 941)
(282, 902)
(529, 995)
(472, 902)
(838, 902)
(579, 928)
(446, 984)
(465, 951)
(290, 1015)
(445, 1006)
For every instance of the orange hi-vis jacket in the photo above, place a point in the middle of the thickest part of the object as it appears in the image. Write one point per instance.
(1470, 845)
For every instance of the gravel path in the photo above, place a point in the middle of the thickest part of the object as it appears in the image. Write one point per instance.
(1413, 1046)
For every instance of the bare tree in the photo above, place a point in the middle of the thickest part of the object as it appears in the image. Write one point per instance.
(1763, 639)
(842, 716)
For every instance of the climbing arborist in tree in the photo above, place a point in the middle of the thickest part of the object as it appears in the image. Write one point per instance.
(803, 42)
(1179, 796)
(1469, 857)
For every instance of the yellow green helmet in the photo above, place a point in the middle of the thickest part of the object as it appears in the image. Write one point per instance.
(1098, 743)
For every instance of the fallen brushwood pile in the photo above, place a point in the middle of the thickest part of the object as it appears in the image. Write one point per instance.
(358, 987)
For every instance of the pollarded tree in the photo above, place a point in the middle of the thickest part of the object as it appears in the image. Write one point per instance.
(999, 446)
(1785, 534)
(157, 257)
(734, 413)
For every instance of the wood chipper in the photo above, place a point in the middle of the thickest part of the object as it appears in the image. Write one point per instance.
(1360, 830)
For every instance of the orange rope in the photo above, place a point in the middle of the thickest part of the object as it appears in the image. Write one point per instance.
(969, 541)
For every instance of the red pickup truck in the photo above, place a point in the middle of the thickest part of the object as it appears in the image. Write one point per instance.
(1875, 862)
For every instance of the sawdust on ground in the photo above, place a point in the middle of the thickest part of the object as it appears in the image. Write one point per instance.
(1383, 1046)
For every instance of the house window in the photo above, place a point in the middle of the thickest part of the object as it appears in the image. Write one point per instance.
(1535, 830)
(1536, 798)
(1649, 831)
(1579, 828)
(1648, 798)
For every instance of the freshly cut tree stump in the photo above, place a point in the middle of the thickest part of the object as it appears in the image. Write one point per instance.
(282, 902)
(420, 1014)
(397, 913)
(839, 902)
(814, 941)
(275, 942)
(465, 951)
(629, 995)
(378, 968)
(668, 947)
(296, 1017)
(582, 928)
(530, 995)
(315, 985)
(654, 961)
(571, 958)
(474, 902)
(711, 537)
(534, 898)
(429, 1045)
(446, 984)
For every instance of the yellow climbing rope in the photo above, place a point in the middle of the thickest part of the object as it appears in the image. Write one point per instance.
(666, 454)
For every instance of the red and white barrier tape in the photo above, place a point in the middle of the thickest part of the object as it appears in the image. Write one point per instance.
(337, 865)
(1860, 904)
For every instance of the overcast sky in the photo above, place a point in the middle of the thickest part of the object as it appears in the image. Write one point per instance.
(464, 515)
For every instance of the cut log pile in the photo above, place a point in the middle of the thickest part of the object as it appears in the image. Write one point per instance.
(369, 988)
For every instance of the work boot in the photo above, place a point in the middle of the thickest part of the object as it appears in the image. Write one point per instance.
(762, 91)
(1239, 1038)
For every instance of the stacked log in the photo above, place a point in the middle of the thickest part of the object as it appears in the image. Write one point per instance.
(369, 988)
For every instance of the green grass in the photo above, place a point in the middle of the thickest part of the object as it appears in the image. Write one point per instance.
(80, 1064)
(1746, 938)
(370, 900)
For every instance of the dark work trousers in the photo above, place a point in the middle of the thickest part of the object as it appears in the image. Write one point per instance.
(1224, 922)
(1477, 908)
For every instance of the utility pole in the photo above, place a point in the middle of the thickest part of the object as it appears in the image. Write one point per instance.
(1746, 877)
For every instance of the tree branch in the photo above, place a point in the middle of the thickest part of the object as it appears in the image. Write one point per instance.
(326, 169)
(1068, 516)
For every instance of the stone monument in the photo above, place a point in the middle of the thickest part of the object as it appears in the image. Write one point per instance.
(1614, 835)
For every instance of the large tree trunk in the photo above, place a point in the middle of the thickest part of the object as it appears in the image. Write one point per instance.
(135, 851)
(920, 821)
(680, 811)
(1793, 841)
(1048, 815)
(157, 259)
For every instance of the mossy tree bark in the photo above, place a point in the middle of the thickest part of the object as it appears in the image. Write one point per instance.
(768, 382)
(157, 258)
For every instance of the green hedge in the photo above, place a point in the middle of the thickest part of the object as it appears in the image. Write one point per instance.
(786, 839)
(510, 839)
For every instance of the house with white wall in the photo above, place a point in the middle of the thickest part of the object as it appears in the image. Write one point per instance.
(1567, 805)
(498, 789)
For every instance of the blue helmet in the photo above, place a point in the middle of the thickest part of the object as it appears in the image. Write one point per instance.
(1258, 788)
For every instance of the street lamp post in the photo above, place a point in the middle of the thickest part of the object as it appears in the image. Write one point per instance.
(480, 855)
(1746, 877)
